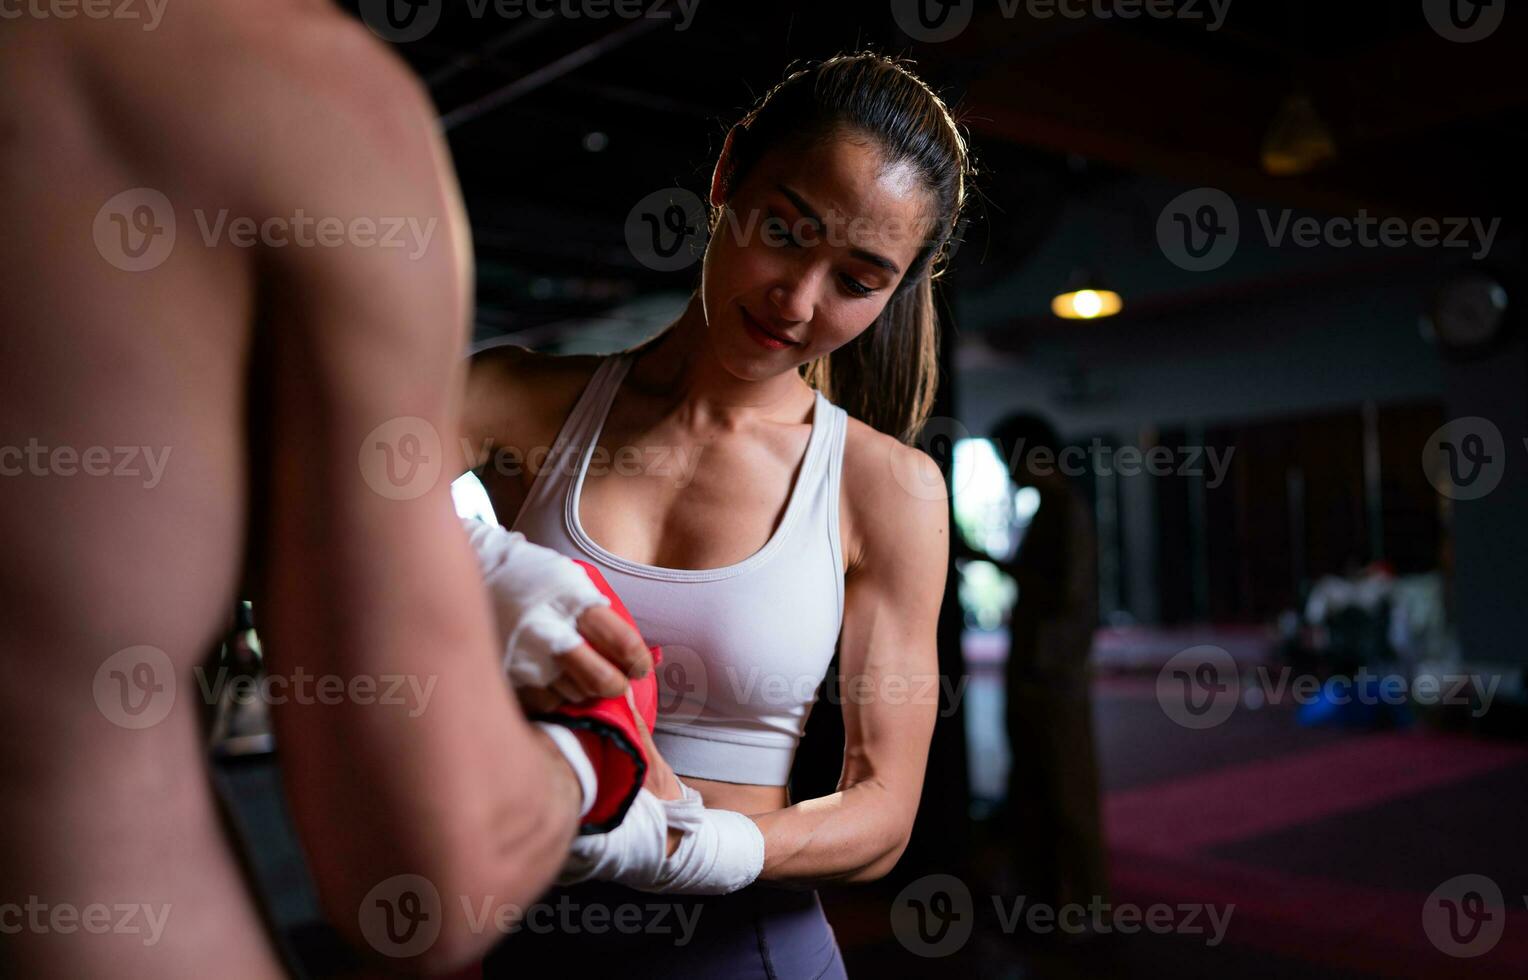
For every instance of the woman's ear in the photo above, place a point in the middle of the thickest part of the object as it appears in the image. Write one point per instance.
(721, 177)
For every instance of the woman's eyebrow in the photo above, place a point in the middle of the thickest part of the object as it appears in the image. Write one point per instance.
(859, 253)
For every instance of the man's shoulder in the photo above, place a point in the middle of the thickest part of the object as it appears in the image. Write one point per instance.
(225, 81)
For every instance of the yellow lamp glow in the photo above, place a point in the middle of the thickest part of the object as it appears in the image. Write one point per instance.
(1087, 304)
(1298, 140)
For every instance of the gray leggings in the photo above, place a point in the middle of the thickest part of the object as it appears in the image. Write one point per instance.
(604, 930)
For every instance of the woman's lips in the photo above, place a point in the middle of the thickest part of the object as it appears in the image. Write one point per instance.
(760, 333)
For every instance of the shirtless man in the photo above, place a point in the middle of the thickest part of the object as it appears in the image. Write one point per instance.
(252, 374)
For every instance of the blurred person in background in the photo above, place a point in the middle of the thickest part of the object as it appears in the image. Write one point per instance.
(1051, 818)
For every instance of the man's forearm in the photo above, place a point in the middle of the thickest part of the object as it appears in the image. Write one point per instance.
(563, 790)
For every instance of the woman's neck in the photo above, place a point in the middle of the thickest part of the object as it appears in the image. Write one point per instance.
(681, 367)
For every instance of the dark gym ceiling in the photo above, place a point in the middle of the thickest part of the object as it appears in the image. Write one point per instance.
(1060, 110)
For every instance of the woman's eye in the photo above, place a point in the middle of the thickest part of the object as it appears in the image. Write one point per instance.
(855, 287)
(783, 230)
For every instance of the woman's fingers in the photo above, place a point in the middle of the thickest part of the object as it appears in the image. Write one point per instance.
(585, 675)
(570, 691)
(615, 640)
(591, 675)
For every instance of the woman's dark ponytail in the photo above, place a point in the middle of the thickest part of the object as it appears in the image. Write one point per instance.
(885, 377)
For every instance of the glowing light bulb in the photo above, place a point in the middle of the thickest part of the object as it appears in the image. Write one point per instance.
(1086, 304)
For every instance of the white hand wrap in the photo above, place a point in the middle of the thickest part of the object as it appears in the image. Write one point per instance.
(720, 852)
(537, 595)
(630, 855)
(578, 760)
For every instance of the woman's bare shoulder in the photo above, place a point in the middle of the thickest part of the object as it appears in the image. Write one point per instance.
(510, 387)
(547, 379)
(514, 364)
(886, 484)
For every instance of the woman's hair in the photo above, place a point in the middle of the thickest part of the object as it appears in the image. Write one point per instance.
(886, 377)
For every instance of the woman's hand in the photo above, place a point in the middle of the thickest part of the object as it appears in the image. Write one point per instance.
(661, 780)
(611, 653)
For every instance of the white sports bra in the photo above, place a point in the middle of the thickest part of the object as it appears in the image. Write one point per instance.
(744, 646)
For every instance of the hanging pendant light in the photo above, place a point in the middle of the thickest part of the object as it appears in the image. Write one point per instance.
(1298, 140)
(1085, 299)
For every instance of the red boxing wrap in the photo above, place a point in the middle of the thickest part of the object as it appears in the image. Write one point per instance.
(620, 763)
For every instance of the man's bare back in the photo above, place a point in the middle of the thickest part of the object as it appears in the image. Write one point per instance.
(124, 335)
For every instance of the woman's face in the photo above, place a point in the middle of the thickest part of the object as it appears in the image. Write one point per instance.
(809, 248)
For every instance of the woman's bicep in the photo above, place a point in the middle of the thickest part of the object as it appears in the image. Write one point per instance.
(889, 662)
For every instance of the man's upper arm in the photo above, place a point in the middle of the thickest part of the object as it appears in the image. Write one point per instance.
(367, 572)
(364, 342)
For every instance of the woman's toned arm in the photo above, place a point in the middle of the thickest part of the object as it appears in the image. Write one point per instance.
(889, 669)
(496, 397)
(498, 400)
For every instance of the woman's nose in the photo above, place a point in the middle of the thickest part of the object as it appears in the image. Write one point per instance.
(792, 301)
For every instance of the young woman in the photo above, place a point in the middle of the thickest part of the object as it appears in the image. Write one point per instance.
(745, 482)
